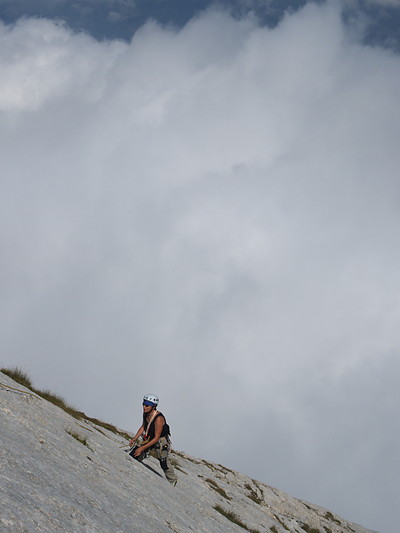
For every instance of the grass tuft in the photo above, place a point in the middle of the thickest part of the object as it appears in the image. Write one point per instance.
(176, 464)
(253, 494)
(18, 375)
(234, 518)
(22, 378)
(217, 488)
(76, 436)
(282, 523)
(330, 516)
(226, 469)
(310, 529)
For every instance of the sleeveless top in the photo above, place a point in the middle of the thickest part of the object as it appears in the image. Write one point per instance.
(151, 430)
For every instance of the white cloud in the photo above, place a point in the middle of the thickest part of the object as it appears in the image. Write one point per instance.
(211, 214)
(43, 62)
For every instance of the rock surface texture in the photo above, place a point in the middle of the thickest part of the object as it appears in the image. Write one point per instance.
(59, 474)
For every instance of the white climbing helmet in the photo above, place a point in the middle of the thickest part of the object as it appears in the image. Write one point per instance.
(152, 398)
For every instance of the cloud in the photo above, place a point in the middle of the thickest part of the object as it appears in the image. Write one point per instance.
(212, 214)
(386, 3)
(43, 62)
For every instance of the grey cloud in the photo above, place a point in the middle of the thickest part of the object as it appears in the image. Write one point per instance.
(389, 3)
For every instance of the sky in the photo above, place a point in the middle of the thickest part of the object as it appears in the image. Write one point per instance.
(120, 19)
(210, 211)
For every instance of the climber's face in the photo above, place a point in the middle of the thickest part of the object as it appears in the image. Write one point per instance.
(148, 406)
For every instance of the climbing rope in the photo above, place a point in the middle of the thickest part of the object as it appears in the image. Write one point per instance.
(13, 389)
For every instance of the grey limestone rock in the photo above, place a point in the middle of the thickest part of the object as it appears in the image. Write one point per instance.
(59, 474)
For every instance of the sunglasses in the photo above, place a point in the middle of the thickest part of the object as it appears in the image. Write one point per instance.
(148, 404)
